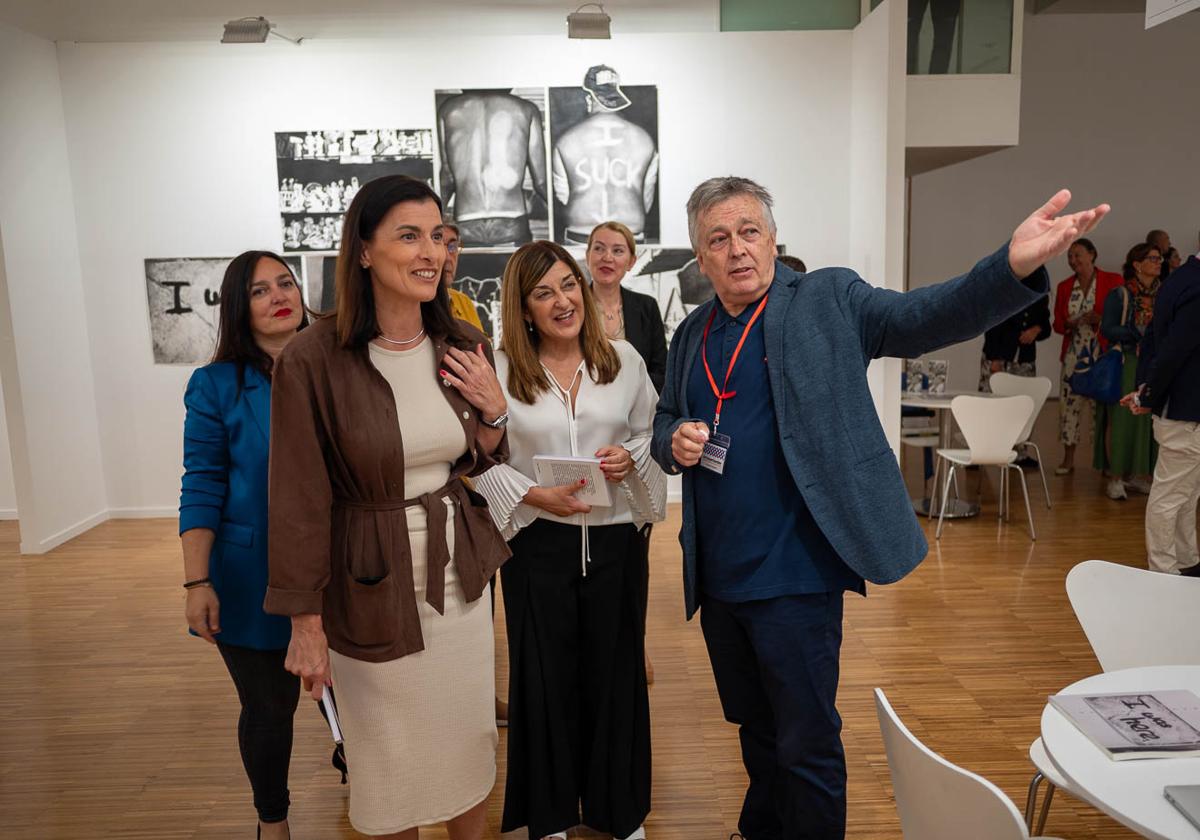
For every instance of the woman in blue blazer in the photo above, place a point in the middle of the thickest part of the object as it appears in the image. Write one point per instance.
(223, 517)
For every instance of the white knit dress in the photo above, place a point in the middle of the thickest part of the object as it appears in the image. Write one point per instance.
(420, 731)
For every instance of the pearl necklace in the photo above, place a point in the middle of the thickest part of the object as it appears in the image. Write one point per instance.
(416, 337)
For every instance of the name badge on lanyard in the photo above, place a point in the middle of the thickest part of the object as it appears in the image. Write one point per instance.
(716, 448)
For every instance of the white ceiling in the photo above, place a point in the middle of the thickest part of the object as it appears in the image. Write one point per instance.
(201, 20)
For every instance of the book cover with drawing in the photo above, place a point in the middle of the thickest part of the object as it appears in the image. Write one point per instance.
(553, 470)
(1151, 724)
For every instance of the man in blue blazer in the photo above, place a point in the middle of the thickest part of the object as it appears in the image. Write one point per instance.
(1168, 377)
(791, 493)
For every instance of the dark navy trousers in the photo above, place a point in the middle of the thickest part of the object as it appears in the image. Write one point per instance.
(776, 666)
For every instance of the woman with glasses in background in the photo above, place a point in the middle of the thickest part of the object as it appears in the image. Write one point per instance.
(1128, 311)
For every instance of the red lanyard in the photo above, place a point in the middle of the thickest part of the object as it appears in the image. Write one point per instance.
(720, 393)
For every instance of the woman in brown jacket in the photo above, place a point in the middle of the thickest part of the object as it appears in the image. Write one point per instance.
(378, 552)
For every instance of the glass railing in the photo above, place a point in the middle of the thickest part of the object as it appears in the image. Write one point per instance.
(774, 15)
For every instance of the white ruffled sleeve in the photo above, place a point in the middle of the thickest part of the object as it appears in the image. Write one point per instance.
(645, 488)
(504, 488)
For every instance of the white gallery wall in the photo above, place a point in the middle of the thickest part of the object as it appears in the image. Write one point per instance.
(1109, 110)
(877, 128)
(172, 155)
(45, 364)
(8, 490)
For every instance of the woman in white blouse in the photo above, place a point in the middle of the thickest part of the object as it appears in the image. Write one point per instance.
(579, 715)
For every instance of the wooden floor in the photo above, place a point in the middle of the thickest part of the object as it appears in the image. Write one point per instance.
(116, 724)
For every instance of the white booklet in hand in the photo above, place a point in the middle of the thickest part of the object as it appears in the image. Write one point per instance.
(331, 714)
(553, 470)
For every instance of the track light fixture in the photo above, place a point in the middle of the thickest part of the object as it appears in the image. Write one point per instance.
(581, 24)
(252, 30)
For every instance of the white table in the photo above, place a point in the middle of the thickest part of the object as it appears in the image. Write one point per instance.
(940, 403)
(1131, 792)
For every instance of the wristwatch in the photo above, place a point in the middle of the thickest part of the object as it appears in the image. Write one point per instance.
(499, 423)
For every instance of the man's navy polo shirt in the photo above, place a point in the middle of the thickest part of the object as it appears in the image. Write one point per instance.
(757, 537)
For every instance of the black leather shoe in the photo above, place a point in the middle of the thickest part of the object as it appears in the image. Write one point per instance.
(1191, 571)
(338, 760)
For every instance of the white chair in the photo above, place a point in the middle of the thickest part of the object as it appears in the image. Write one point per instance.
(938, 800)
(1152, 607)
(1038, 387)
(991, 426)
(921, 433)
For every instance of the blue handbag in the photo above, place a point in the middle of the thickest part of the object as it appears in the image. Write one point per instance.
(1100, 379)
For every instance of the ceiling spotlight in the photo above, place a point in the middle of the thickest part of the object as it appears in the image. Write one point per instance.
(582, 24)
(252, 30)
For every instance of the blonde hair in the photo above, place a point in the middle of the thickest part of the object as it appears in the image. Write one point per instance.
(615, 227)
(519, 341)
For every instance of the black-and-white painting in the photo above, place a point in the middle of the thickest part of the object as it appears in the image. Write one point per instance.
(321, 171)
(184, 296)
(479, 276)
(493, 163)
(319, 281)
(672, 277)
(604, 156)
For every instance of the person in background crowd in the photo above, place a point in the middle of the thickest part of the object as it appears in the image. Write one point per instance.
(1168, 379)
(794, 496)
(378, 551)
(1128, 310)
(1078, 309)
(1011, 346)
(461, 306)
(794, 263)
(579, 712)
(1161, 240)
(632, 316)
(1172, 260)
(629, 315)
(223, 518)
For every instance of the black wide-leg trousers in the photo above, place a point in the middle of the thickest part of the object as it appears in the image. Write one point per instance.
(579, 713)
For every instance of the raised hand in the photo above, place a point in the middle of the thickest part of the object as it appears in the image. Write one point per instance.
(1045, 234)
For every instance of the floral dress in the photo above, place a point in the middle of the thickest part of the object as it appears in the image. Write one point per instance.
(1072, 407)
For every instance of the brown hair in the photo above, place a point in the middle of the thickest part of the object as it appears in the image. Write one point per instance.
(1137, 253)
(615, 227)
(355, 298)
(1085, 244)
(520, 340)
(235, 338)
(794, 263)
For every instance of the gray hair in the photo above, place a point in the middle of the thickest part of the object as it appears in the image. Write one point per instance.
(448, 222)
(715, 190)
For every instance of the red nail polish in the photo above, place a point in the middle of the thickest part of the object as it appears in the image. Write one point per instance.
(442, 372)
